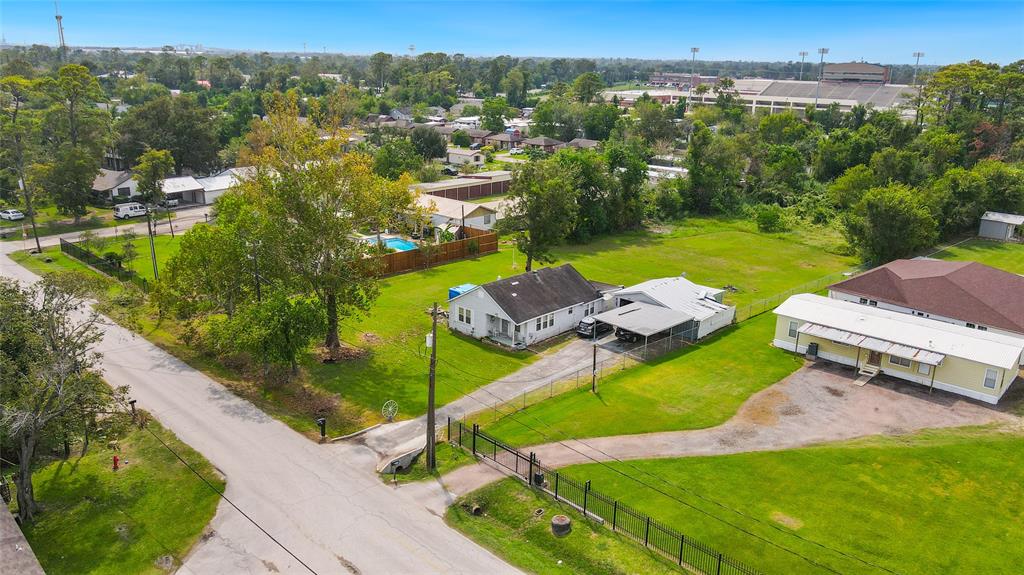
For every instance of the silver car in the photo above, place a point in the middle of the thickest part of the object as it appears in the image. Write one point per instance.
(12, 215)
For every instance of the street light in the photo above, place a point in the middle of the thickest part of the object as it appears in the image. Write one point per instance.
(917, 63)
(803, 55)
(693, 68)
(821, 72)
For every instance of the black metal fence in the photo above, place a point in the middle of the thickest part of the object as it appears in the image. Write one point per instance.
(111, 268)
(620, 517)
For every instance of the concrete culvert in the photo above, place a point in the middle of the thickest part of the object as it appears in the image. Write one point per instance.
(476, 510)
(561, 525)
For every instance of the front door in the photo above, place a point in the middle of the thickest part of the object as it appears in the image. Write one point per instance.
(504, 327)
(874, 358)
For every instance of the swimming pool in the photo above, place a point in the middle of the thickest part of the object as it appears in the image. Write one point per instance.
(398, 244)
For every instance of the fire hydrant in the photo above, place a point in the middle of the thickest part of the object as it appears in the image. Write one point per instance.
(117, 460)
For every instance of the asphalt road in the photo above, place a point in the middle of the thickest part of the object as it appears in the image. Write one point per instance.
(323, 503)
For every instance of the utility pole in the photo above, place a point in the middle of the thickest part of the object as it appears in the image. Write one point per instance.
(693, 68)
(152, 246)
(593, 372)
(821, 73)
(803, 55)
(432, 344)
(917, 63)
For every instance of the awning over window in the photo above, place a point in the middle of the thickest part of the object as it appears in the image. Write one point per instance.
(873, 344)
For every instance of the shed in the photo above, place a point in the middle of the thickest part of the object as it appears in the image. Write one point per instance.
(999, 226)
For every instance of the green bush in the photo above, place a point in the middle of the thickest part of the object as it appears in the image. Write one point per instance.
(770, 218)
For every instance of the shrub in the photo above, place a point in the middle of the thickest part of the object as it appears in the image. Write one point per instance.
(770, 218)
(473, 247)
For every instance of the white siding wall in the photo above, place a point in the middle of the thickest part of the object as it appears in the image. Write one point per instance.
(481, 305)
(716, 322)
(910, 311)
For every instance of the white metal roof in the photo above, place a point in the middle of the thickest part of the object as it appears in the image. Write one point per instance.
(899, 350)
(643, 318)
(882, 328)
(1012, 219)
(217, 183)
(180, 184)
(680, 294)
(450, 208)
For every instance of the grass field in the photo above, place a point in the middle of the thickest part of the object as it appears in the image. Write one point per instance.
(98, 521)
(511, 528)
(449, 458)
(1009, 257)
(699, 386)
(940, 502)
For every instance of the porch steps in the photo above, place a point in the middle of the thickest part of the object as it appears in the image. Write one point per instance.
(866, 373)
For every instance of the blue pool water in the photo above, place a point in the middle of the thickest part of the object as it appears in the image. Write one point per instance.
(399, 244)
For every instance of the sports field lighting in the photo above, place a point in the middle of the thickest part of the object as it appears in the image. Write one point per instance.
(821, 72)
(693, 68)
(803, 55)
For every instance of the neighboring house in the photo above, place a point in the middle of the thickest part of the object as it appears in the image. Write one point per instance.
(183, 188)
(469, 186)
(446, 212)
(657, 173)
(527, 308)
(673, 305)
(969, 294)
(543, 143)
(115, 185)
(477, 136)
(215, 186)
(460, 156)
(446, 131)
(521, 125)
(466, 123)
(977, 364)
(584, 144)
(998, 226)
(504, 140)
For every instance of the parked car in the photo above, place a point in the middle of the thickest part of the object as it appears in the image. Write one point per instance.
(12, 215)
(587, 325)
(450, 171)
(475, 146)
(168, 203)
(129, 210)
(626, 335)
(516, 151)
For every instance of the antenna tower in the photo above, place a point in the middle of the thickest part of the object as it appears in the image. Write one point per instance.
(60, 30)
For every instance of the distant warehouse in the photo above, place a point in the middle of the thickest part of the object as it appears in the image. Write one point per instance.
(469, 186)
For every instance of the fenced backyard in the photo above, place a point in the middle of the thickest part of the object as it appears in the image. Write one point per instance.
(760, 306)
(113, 269)
(474, 243)
(594, 505)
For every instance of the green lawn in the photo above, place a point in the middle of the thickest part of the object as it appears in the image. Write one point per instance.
(95, 520)
(940, 502)
(699, 386)
(1009, 257)
(510, 528)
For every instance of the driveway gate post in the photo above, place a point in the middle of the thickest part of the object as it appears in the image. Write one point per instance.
(475, 425)
(533, 458)
(615, 514)
(586, 490)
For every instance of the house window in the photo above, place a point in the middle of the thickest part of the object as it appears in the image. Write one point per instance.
(539, 321)
(792, 329)
(465, 315)
(899, 361)
(487, 218)
(545, 321)
(970, 325)
(841, 343)
(124, 192)
(588, 309)
(924, 368)
(982, 328)
(919, 313)
(990, 378)
(864, 300)
(872, 302)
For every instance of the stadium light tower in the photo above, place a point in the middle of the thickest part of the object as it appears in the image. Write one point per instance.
(693, 68)
(821, 72)
(917, 63)
(803, 55)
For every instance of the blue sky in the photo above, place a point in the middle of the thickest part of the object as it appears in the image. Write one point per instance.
(873, 30)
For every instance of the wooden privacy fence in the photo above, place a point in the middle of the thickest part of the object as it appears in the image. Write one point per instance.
(476, 242)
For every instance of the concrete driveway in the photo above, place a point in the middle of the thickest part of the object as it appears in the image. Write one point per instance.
(817, 404)
(323, 502)
(576, 357)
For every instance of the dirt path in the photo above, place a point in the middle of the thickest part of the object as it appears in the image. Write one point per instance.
(817, 404)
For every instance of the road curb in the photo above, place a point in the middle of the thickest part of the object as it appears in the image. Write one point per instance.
(356, 433)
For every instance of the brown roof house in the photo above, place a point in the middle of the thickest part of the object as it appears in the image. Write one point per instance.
(544, 143)
(503, 140)
(115, 185)
(969, 294)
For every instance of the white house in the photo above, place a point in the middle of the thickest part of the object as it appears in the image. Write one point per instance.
(527, 308)
(183, 188)
(698, 310)
(115, 185)
(446, 212)
(460, 156)
(466, 123)
(215, 186)
(999, 226)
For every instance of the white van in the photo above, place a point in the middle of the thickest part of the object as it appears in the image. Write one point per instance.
(129, 210)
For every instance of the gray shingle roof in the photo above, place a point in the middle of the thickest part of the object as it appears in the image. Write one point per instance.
(535, 293)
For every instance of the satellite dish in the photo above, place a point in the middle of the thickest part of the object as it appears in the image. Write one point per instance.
(390, 410)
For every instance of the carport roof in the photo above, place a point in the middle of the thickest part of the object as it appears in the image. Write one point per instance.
(643, 318)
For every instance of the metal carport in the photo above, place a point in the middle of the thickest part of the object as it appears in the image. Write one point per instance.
(646, 320)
